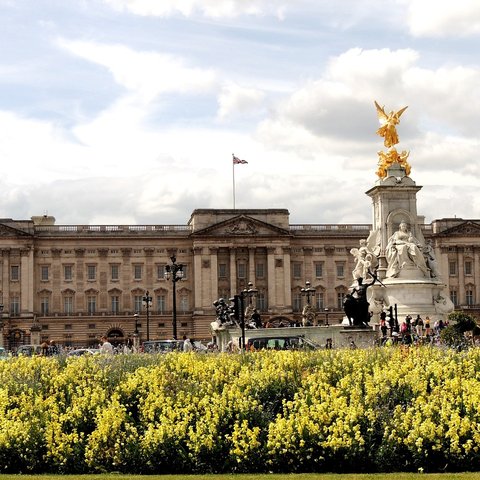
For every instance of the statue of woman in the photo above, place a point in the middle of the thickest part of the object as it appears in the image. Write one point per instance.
(403, 249)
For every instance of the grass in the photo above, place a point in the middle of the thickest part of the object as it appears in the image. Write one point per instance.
(280, 476)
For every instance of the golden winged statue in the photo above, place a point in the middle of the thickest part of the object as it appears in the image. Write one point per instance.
(388, 122)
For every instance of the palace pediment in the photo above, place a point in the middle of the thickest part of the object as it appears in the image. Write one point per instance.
(11, 232)
(468, 228)
(241, 226)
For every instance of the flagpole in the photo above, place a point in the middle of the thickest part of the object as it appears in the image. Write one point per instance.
(233, 179)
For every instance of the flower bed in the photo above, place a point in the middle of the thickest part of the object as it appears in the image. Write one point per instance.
(337, 411)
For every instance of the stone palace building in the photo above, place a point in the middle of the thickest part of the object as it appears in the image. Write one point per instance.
(75, 283)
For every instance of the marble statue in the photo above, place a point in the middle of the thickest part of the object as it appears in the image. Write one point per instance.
(366, 256)
(403, 250)
(430, 259)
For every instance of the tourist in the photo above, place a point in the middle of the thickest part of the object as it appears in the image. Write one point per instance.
(187, 344)
(428, 329)
(419, 326)
(106, 346)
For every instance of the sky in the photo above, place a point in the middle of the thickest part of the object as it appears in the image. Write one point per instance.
(129, 111)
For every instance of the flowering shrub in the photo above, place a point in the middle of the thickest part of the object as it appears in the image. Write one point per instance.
(348, 410)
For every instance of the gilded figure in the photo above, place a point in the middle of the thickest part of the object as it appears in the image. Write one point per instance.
(388, 121)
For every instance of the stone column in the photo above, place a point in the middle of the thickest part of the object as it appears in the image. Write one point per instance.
(251, 265)
(26, 280)
(213, 274)
(272, 278)
(126, 279)
(461, 276)
(287, 280)
(6, 278)
(476, 273)
(233, 271)
(80, 305)
(198, 280)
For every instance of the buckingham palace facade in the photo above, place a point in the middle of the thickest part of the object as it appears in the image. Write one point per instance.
(75, 283)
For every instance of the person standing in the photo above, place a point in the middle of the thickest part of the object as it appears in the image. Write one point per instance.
(428, 329)
(187, 344)
(106, 346)
(419, 326)
(256, 319)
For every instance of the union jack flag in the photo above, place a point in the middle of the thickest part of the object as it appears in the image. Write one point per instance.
(237, 161)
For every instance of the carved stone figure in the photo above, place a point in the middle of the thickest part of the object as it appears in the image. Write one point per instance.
(430, 259)
(366, 255)
(308, 315)
(443, 304)
(403, 250)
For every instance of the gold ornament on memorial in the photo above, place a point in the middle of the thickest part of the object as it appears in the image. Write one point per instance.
(388, 131)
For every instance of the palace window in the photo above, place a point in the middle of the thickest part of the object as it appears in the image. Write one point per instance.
(222, 270)
(260, 270)
(468, 267)
(161, 303)
(114, 272)
(91, 272)
(241, 270)
(68, 304)
(319, 300)
(67, 273)
(44, 270)
(15, 273)
(469, 298)
(91, 304)
(184, 303)
(297, 270)
(262, 303)
(318, 269)
(340, 270)
(340, 299)
(160, 271)
(137, 272)
(454, 297)
(115, 303)
(137, 303)
(297, 302)
(44, 306)
(15, 306)
(452, 268)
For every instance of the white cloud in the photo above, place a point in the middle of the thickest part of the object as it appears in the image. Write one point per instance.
(235, 100)
(207, 8)
(438, 18)
(146, 73)
(333, 120)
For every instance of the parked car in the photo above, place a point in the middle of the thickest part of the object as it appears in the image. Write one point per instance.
(281, 343)
(78, 352)
(166, 346)
(3, 354)
(162, 346)
(29, 350)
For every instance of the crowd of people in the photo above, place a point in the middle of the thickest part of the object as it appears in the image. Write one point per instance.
(411, 330)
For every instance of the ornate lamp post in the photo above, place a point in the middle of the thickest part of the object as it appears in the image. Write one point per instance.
(326, 317)
(308, 311)
(174, 272)
(147, 303)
